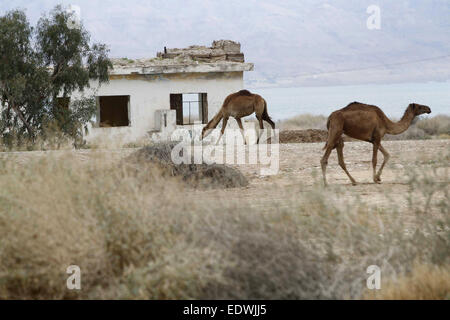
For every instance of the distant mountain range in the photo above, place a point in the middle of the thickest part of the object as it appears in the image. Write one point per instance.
(291, 42)
(318, 39)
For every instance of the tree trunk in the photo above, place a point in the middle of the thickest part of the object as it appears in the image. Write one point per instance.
(22, 118)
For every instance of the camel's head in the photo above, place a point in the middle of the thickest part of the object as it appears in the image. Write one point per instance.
(419, 109)
(205, 131)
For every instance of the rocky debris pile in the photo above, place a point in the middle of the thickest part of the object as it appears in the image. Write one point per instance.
(221, 50)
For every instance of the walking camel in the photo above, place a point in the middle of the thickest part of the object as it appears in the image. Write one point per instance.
(367, 123)
(239, 104)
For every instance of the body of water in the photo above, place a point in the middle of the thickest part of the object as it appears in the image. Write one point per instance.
(285, 103)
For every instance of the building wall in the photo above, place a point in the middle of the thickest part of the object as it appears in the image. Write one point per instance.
(149, 93)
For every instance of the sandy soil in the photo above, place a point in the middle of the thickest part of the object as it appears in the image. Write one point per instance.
(300, 171)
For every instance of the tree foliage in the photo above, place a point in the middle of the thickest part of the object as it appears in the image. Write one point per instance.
(39, 65)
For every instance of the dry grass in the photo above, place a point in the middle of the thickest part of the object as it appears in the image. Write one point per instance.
(424, 282)
(138, 234)
(53, 140)
(436, 125)
(304, 122)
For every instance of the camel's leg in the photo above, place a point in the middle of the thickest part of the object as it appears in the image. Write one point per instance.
(374, 161)
(324, 162)
(335, 130)
(386, 157)
(272, 124)
(340, 153)
(261, 127)
(242, 128)
(224, 124)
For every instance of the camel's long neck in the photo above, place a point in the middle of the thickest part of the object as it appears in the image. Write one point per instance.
(215, 120)
(402, 125)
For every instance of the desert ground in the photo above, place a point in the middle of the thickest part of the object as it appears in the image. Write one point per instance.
(299, 169)
(141, 235)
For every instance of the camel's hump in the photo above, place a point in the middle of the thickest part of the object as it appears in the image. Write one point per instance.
(356, 102)
(244, 93)
(358, 105)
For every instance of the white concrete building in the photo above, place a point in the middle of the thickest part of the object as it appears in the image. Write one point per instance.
(179, 87)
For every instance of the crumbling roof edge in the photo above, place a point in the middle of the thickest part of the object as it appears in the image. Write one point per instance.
(183, 68)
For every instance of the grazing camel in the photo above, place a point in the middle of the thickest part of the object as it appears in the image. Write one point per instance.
(239, 104)
(367, 123)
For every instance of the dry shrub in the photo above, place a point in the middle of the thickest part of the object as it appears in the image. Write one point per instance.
(139, 234)
(50, 137)
(46, 227)
(425, 128)
(183, 272)
(55, 213)
(413, 133)
(53, 139)
(424, 282)
(196, 175)
(435, 126)
(267, 260)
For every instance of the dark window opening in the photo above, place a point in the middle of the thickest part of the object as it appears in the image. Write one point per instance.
(114, 111)
(190, 107)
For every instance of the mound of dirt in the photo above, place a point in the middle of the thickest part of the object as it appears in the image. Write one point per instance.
(196, 175)
(303, 136)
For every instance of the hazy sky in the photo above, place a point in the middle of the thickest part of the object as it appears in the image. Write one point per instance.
(285, 39)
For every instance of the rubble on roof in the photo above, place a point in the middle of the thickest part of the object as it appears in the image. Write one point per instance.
(220, 53)
(221, 50)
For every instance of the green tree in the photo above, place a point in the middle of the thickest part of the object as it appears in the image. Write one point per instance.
(38, 65)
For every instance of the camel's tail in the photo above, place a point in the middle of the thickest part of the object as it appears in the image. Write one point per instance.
(265, 116)
(335, 126)
(328, 134)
